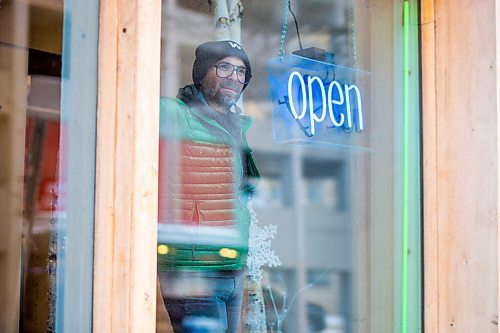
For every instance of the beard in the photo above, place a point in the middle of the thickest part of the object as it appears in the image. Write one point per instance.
(221, 96)
(226, 99)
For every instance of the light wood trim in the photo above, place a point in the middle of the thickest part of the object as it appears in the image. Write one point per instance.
(430, 228)
(105, 165)
(497, 44)
(127, 166)
(13, 104)
(461, 157)
(497, 69)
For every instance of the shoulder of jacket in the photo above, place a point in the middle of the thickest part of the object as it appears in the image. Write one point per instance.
(170, 104)
(172, 115)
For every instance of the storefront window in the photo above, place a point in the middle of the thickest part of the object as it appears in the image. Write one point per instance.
(323, 228)
(49, 51)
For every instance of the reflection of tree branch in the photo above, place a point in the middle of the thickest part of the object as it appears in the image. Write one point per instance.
(307, 286)
(272, 300)
(280, 318)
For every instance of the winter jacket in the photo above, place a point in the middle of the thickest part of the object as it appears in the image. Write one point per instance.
(205, 165)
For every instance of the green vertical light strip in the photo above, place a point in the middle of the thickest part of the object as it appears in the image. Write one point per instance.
(406, 106)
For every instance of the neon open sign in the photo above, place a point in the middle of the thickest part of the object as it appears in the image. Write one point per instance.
(332, 95)
(318, 102)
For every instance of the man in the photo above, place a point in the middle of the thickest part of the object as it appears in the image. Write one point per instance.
(205, 172)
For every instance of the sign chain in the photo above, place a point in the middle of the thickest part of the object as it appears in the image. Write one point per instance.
(353, 35)
(283, 29)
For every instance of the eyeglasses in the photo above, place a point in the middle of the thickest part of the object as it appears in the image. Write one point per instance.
(225, 70)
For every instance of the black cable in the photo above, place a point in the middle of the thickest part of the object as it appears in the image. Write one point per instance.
(296, 24)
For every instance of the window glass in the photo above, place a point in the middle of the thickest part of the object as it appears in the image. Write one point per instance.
(321, 221)
(48, 76)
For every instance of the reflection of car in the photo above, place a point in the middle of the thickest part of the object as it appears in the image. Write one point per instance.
(185, 246)
(200, 235)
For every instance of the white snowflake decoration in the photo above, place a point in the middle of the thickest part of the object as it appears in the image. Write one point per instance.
(259, 247)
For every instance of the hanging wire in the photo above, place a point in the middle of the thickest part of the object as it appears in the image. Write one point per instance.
(288, 8)
(296, 25)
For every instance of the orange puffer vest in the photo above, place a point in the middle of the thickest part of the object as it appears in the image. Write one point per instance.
(203, 192)
(203, 219)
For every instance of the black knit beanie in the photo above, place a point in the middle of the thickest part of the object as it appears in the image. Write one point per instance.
(207, 55)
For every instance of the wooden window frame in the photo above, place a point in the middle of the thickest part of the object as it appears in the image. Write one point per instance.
(460, 121)
(127, 154)
(127, 166)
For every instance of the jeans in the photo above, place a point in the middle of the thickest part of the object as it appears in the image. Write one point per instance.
(213, 294)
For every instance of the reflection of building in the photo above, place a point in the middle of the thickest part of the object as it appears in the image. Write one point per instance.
(322, 225)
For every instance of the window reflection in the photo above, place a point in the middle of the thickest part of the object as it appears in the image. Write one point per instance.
(320, 183)
(41, 197)
(321, 200)
(59, 120)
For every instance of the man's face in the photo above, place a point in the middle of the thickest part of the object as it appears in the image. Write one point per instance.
(222, 91)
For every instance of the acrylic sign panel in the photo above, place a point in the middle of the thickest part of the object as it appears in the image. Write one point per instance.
(319, 103)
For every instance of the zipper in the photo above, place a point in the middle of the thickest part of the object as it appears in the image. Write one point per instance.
(193, 249)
